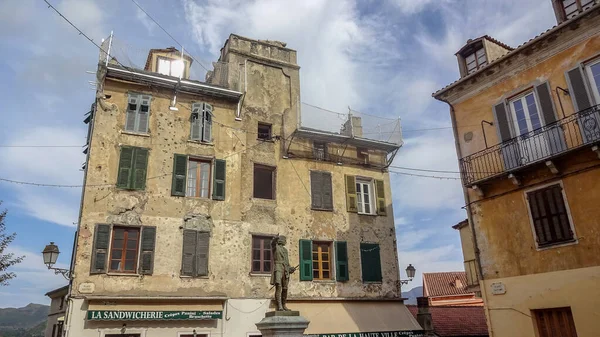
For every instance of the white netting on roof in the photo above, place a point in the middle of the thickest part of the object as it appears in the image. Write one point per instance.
(354, 123)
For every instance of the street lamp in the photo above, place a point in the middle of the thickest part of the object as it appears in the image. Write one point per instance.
(410, 272)
(50, 254)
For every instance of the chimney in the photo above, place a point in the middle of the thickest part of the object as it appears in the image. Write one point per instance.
(352, 127)
(424, 316)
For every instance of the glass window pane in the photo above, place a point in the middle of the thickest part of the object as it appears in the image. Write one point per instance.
(130, 255)
(326, 265)
(164, 66)
(256, 266)
(118, 233)
(177, 68)
(267, 266)
(117, 244)
(255, 243)
(520, 115)
(533, 112)
(358, 187)
(325, 274)
(204, 179)
(117, 254)
(144, 108)
(132, 244)
(267, 254)
(256, 254)
(316, 274)
(132, 107)
(191, 179)
(367, 208)
(129, 265)
(595, 69)
(115, 265)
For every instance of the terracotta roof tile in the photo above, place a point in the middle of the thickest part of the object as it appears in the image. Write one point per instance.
(444, 284)
(456, 321)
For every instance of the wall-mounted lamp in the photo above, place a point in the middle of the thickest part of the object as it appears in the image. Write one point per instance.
(410, 272)
(50, 254)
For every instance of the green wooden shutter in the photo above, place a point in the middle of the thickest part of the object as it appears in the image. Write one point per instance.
(125, 167)
(207, 122)
(306, 267)
(147, 250)
(351, 202)
(327, 191)
(202, 244)
(219, 179)
(100, 249)
(370, 262)
(380, 193)
(196, 120)
(188, 258)
(140, 167)
(143, 114)
(179, 175)
(316, 189)
(341, 260)
(132, 110)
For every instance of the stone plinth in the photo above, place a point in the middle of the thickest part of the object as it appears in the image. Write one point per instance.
(282, 324)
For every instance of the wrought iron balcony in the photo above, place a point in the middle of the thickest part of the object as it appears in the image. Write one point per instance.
(572, 132)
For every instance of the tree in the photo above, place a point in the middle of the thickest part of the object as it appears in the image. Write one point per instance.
(8, 259)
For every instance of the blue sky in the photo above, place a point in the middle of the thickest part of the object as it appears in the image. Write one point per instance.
(380, 57)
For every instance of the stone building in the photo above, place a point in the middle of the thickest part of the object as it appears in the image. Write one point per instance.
(527, 129)
(56, 313)
(187, 182)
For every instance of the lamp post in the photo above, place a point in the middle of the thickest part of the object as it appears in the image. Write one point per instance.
(410, 272)
(50, 254)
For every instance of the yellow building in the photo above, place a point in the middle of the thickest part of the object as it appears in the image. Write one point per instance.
(186, 184)
(527, 128)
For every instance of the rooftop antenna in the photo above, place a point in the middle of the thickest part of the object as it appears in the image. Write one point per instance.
(173, 106)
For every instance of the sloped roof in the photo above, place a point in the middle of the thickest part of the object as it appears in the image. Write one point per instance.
(444, 284)
(489, 38)
(456, 321)
(518, 49)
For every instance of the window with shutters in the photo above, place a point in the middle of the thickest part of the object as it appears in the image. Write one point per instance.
(194, 177)
(170, 67)
(264, 182)
(194, 260)
(321, 191)
(262, 259)
(321, 261)
(573, 7)
(554, 322)
(198, 178)
(124, 249)
(364, 196)
(320, 151)
(264, 131)
(370, 262)
(550, 216)
(201, 122)
(525, 113)
(476, 60)
(592, 70)
(138, 113)
(133, 164)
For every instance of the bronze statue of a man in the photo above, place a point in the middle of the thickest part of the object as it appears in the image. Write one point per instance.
(280, 277)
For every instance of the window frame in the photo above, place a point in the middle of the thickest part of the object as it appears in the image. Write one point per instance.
(204, 117)
(320, 270)
(139, 97)
(273, 170)
(197, 178)
(317, 148)
(575, 239)
(269, 136)
(537, 316)
(359, 196)
(476, 60)
(171, 60)
(124, 249)
(322, 186)
(513, 114)
(265, 238)
(593, 85)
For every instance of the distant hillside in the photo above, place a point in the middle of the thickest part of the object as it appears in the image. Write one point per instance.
(29, 321)
(412, 295)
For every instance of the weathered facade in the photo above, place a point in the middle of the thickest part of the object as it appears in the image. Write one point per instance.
(56, 313)
(527, 130)
(186, 184)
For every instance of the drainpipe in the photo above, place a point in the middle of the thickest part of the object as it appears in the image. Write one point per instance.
(468, 208)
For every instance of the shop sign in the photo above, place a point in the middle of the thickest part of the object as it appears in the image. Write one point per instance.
(404, 333)
(120, 315)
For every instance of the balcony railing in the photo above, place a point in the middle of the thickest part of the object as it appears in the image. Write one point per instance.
(571, 132)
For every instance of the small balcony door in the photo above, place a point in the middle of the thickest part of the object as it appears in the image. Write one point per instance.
(532, 141)
(589, 119)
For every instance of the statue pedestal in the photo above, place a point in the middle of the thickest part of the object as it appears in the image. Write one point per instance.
(282, 324)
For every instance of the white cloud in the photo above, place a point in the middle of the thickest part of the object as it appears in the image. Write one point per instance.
(32, 281)
(45, 165)
(415, 6)
(145, 20)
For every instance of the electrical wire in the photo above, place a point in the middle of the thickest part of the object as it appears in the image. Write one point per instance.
(164, 30)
